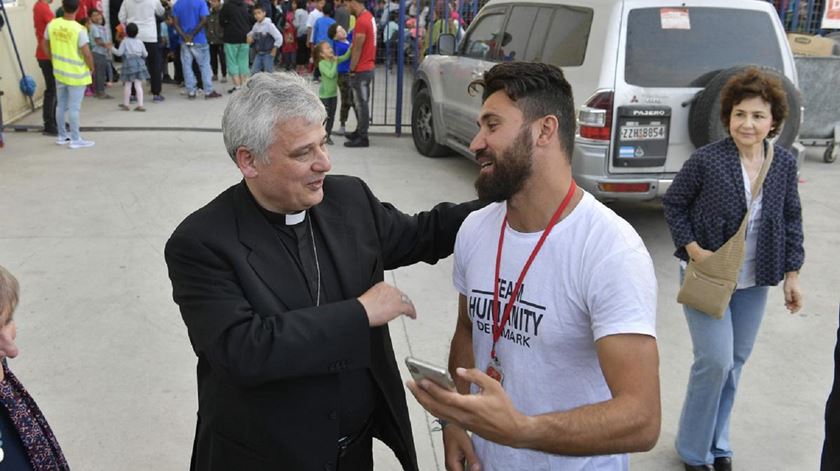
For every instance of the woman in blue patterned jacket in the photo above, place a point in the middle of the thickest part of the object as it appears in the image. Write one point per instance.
(704, 208)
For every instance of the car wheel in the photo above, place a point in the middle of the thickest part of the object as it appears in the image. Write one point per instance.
(422, 126)
(705, 126)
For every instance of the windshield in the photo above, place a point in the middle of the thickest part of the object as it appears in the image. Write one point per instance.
(683, 47)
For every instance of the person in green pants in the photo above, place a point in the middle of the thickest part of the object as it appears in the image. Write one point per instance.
(236, 22)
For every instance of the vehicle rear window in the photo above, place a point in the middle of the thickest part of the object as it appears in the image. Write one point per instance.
(716, 39)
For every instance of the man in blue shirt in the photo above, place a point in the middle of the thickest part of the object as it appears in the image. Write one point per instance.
(190, 19)
(322, 25)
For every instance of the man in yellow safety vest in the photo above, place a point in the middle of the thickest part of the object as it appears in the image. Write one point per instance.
(67, 45)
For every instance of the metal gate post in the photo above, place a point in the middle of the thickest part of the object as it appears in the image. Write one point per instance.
(794, 22)
(811, 26)
(400, 68)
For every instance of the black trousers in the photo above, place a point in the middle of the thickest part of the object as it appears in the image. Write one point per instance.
(153, 63)
(359, 455)
(217, 58)
(49, 96)
(176, 62)
(330, 105)
(303, 51)
(831, 446)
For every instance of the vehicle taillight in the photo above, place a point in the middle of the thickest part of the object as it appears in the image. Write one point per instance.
(595, 117)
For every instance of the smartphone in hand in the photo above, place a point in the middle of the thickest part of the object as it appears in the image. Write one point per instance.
(420, 369)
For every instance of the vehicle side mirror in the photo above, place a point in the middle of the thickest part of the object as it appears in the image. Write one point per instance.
(446, 44)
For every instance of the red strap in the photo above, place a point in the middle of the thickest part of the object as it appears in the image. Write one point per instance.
(498, 326)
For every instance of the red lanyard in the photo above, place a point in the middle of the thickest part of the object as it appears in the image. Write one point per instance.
(498, 327)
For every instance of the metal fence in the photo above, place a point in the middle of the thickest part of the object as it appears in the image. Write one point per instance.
(400, 49)
(801, 16)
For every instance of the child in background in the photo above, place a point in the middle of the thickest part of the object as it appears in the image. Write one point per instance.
(289, 48)
(341, 44)
(174, 49)
(215, 37)
(391, 38)
(266, 39)
(100, 38)
(134, 71)
(327, 64)
(83, 20)
(163, 46)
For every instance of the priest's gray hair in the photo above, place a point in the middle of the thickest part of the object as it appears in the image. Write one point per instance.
(253, 113)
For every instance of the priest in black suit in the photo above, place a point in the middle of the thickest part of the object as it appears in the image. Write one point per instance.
(280, 283)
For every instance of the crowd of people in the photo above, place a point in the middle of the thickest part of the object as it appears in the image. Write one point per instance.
(209, 41)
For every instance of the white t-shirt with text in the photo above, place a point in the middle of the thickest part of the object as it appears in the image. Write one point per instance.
(592, 278)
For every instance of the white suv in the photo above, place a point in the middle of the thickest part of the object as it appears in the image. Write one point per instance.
(648, 74)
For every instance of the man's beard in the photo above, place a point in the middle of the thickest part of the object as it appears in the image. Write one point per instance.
(509, 172)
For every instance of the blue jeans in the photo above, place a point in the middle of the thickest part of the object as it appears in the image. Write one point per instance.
(70, 102)
(263, 62)
(201, 54)
(721, 347)
(360, 83)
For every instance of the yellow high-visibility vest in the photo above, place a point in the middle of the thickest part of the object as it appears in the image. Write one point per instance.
(68, 64)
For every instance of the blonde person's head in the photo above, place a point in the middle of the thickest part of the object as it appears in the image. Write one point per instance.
(9, 294)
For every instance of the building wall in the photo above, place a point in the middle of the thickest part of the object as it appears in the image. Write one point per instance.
(15, 104)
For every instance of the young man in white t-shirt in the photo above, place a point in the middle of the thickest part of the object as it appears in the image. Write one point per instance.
(570, 381)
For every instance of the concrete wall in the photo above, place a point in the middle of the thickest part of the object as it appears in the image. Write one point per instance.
(14, 102)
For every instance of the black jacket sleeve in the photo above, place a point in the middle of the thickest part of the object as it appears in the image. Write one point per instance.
(427, 236)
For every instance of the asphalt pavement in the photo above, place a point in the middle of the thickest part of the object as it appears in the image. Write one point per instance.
(106, 355)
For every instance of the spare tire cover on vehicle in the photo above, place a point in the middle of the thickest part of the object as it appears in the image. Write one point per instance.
(705, 126)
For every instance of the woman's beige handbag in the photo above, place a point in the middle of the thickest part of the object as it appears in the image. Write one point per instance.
(708, 285)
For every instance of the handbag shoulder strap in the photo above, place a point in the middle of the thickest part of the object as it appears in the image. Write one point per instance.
(759, 182)
(765, 167)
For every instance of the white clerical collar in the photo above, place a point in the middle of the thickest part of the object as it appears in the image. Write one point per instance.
(295, 218)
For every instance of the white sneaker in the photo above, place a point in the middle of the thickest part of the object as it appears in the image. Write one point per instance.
(81, 143)
(341, 131)
(62, 140)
